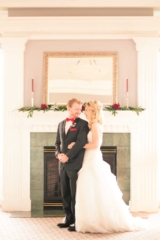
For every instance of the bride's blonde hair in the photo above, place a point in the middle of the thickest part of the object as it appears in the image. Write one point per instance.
(96, 112)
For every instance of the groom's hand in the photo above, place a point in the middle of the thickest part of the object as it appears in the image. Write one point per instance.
(59, 156)
(64, 158)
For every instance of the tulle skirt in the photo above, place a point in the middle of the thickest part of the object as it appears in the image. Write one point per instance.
(99, 204)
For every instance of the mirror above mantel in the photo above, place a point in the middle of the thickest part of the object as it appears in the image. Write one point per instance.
(87, 76)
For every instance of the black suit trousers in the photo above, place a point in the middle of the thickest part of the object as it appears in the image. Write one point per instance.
(68, 192)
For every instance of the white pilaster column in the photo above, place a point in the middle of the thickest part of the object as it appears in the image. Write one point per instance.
(1, 123)
(144, 168)
(13, 98)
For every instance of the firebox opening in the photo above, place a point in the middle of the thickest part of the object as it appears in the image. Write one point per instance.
(52, 190)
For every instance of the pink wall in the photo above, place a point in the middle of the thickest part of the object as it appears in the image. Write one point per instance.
(126, 64)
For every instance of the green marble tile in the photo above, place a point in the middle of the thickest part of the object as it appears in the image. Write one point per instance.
(107, 139)
(51, 138)
(123, 157)
(33, 139)
(124, 185)
(37, 205)
(126, 197)
(36, 181)
(121, 139)
(38, 139)
(37, 194)
(41, 139)
(47, 213)
(53, 213)
(37, 155)
(31, 155)
(38, 213)
(123, 174)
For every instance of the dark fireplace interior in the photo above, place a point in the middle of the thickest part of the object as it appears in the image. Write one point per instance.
(52, 190)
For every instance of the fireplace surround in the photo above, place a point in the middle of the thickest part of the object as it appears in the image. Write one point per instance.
(17, 183)
(37, 139)
(46, 123)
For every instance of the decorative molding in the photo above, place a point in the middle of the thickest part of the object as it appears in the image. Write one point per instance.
(147, 44)
(79, 3)
(13, 44)
(34, 26)
(125, 121)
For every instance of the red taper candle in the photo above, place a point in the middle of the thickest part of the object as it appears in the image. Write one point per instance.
(32, 85)
(126, 85)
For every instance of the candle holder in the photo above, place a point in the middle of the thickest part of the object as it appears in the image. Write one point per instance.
(127, 99)
(32, 99)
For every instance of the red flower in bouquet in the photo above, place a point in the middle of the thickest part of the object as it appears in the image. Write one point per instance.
(43, 106)
(116, 106)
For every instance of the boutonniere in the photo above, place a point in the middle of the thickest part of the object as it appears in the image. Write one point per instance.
(73, 125)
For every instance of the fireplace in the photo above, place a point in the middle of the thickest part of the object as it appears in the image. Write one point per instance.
(40, 139)
(24, 179)
(52, 190)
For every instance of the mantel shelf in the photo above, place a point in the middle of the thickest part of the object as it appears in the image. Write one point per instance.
(124, 121)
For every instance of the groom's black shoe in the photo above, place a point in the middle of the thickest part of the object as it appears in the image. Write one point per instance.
(72, 228)
(65, 224)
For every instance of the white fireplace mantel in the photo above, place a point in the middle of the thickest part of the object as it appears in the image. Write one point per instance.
(124, 121)
(16, 182)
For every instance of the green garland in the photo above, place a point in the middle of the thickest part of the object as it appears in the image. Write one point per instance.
(54, 107)
(115, 111)
(48, 108)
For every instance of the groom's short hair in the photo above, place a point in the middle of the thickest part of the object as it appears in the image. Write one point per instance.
(73, 100)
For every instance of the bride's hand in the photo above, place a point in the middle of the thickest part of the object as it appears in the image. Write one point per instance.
(71, 145)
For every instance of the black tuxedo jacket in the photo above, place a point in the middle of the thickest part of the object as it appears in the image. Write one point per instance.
(78, 134)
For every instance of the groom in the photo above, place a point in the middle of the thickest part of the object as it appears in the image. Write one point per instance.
(72, 129)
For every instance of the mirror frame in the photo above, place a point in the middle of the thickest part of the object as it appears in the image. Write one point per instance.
(48, 55)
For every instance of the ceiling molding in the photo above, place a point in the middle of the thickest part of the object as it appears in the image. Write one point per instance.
(32, 26)
(79, 3)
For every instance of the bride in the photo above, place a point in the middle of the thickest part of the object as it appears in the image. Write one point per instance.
(99, 204)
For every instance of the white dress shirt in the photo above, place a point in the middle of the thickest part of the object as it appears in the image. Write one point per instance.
(67, 126)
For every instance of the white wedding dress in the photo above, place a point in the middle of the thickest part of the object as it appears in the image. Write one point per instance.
(99, 205)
